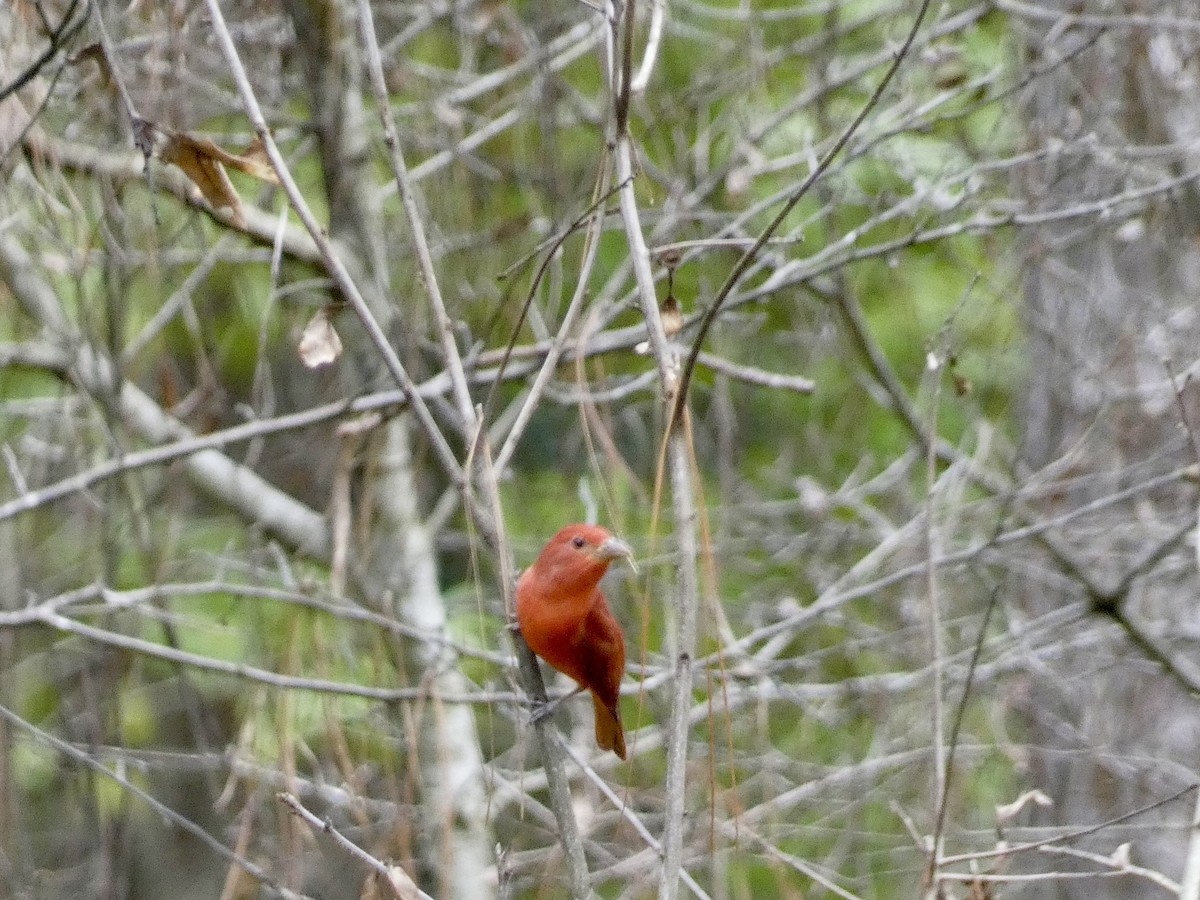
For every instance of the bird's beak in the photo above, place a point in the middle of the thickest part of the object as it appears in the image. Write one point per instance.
(616, 549)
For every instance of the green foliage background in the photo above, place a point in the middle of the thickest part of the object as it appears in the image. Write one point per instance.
(797, 488)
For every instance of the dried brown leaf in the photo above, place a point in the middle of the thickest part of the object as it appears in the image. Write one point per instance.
(319, 344)
(255, 161)
(204, 163)
(198, 161)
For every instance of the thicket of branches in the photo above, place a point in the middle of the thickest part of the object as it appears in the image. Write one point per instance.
(871, 325)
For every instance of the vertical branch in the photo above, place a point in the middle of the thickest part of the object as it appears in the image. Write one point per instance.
(682, 639)
(936, 647)
(686, 598)
(480, 469)
(547, 738)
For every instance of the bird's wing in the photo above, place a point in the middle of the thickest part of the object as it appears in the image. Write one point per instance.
(602, 654)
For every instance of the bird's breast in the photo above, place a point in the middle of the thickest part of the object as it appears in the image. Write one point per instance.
(553, 626)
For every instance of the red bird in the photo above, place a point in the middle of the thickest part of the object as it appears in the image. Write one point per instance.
(566, 620)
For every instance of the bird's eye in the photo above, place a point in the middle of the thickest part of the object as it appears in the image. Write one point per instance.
(578, 541)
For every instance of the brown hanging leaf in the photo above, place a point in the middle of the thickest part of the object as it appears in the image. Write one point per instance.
(199, 164)
(319, 344)
(204, 163)
(255, 161)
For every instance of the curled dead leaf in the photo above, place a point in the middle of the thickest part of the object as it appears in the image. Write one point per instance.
(255, 161)
(205, 171)
(319, 344)
(204, 163)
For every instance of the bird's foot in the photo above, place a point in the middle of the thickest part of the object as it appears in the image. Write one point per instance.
(543, 711)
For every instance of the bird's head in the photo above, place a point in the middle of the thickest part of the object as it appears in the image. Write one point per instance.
(593, 542)
(581, 554)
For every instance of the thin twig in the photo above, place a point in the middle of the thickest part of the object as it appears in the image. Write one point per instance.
(380, 868)
(53, 619)
(658, 20)
(68, 27)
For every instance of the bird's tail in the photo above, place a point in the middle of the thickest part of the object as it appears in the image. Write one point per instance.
(609, 733)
